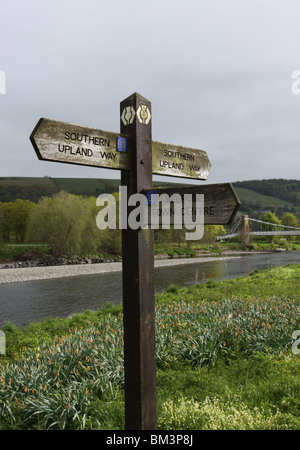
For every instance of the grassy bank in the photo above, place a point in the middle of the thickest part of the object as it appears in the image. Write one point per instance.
(172, 250)
(276, 282)
(11, 251)
(224, 361)
(219, 248)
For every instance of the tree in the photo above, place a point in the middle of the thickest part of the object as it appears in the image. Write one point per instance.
(90, 235)
(13, 219)
(65, 222)
(272, 219)
(20, 213)
(110, 240)
(5, 220)
(290, 220)
(212, 231)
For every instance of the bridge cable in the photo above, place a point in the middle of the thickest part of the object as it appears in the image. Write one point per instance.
(273, 224)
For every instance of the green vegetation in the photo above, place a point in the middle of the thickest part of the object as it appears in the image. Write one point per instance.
(87, 186)
(264, 245)
(13, 251)
(289, 220)
(276, 282)
(63, 215)
(33, 188)
(279, 195)
(26, 188)
(64, 224)
(14, 217)
(286, 190)
(216, 249)
(224, 361)
(261, 200)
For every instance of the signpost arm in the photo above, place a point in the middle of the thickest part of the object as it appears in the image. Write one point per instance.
(138, 275)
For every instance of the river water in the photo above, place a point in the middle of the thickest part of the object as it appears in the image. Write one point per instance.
(25, 302)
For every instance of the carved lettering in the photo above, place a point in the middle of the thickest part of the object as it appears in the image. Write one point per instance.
(194, 168)
(95, 140)
(208, 211)
(107, 155)
(176, 154)
(68, 149)
(170, 165)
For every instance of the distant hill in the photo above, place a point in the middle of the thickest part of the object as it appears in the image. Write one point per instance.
(263, 201)
(33, 188)
(26, 188)
(278, 195)
(286, 190)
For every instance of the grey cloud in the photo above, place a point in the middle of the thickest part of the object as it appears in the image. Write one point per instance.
(218, 75)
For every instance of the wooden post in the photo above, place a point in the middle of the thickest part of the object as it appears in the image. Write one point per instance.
(245, 231)
(138, 275)
(131, 152)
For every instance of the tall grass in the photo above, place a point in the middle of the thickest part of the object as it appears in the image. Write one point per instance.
(53, 386)
(202, 332)
(76, 380)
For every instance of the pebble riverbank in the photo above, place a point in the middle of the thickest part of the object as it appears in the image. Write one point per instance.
(16, 275)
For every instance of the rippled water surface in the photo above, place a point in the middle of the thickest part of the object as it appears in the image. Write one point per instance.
(30, 301)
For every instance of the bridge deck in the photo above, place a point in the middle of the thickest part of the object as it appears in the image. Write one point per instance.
(261, 233)
(236, 230)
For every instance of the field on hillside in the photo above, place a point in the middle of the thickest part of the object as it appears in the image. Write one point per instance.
(26, 188)
(87, 186)
(33, 188)
(266, 201)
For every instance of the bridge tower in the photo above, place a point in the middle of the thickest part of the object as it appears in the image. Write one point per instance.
(245, 230)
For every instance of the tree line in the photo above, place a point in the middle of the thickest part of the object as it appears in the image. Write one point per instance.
(288, 219)
(67, 224)
(288, 190)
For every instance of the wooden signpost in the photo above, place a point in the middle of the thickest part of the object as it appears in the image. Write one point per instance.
(220, 208)
(138, 281)
(138, 157)
(176, 161)
(74, 144)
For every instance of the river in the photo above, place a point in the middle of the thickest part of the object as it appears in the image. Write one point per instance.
(25, 302)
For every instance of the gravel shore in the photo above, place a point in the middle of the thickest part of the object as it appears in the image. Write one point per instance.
(43, 273)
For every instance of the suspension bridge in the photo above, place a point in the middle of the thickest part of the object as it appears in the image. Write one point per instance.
(246, 227)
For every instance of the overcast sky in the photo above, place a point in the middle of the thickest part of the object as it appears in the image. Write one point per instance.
(217, 72)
